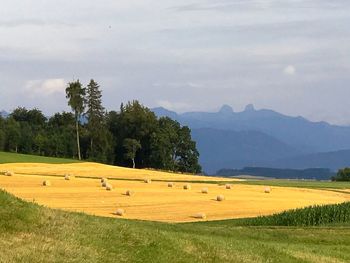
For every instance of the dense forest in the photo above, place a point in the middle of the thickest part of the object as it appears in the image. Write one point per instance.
(132, 136)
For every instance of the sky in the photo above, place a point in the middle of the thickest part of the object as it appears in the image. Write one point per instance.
(292, 56)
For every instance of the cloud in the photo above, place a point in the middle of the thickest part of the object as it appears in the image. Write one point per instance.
(175, 106)
(46, 87)
(188, 84)
(221, 5)
(31, 22)
(227, 5)
(194, 57)
(289, 70)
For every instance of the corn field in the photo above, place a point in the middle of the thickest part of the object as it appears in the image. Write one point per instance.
(309, 216)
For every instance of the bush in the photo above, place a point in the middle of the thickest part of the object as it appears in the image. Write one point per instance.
(343, 175)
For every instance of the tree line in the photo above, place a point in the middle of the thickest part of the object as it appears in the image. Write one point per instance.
(343, 175)
(132, 136)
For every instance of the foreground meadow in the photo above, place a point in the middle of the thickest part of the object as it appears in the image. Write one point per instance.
(30, 233)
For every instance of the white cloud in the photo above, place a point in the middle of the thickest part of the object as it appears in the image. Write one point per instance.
(226, 51)
(289, 70)
(175, 106)
(45, 87)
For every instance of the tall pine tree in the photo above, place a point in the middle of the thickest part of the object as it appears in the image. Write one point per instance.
(95, 113)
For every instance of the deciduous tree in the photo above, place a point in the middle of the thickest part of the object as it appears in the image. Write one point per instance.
(131, 146)
(75, 93)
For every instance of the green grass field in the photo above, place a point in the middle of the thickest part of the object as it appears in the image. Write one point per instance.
(300, 183)
(6, 157)
(32, 233)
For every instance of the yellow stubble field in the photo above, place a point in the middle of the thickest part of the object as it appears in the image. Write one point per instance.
(100, 170)
(155, 201)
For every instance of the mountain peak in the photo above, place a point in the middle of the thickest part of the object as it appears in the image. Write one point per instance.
(249, 107)
(226, 109)
(163, 112)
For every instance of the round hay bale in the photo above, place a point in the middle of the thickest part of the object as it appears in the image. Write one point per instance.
(103, 180)
(104, 184)
(187, 187)
(200, 216)
(67, 177)
(120, 212)
(170, 184)
(205, 190)
(109, 187)
(228, 186)
(130, 193)
(148, 181)
(220, 198)
(9, 173)
(46, 183)
(267, 189)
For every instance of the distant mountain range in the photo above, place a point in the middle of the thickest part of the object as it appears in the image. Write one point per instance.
(235, 149)
(228, 139)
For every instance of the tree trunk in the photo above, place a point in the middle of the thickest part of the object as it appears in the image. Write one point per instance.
(78, 142)
(133, 163)
(91, 147)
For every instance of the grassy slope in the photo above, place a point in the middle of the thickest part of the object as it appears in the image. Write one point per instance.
(6, 157)
(30, 233)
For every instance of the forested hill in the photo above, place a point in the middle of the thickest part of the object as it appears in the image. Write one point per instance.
(312, 173)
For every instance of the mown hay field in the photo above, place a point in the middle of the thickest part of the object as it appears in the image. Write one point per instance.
(94, 170)
(152, 201)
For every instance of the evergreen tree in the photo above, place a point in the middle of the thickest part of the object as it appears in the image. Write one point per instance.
(75, 94)
(95, 116)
